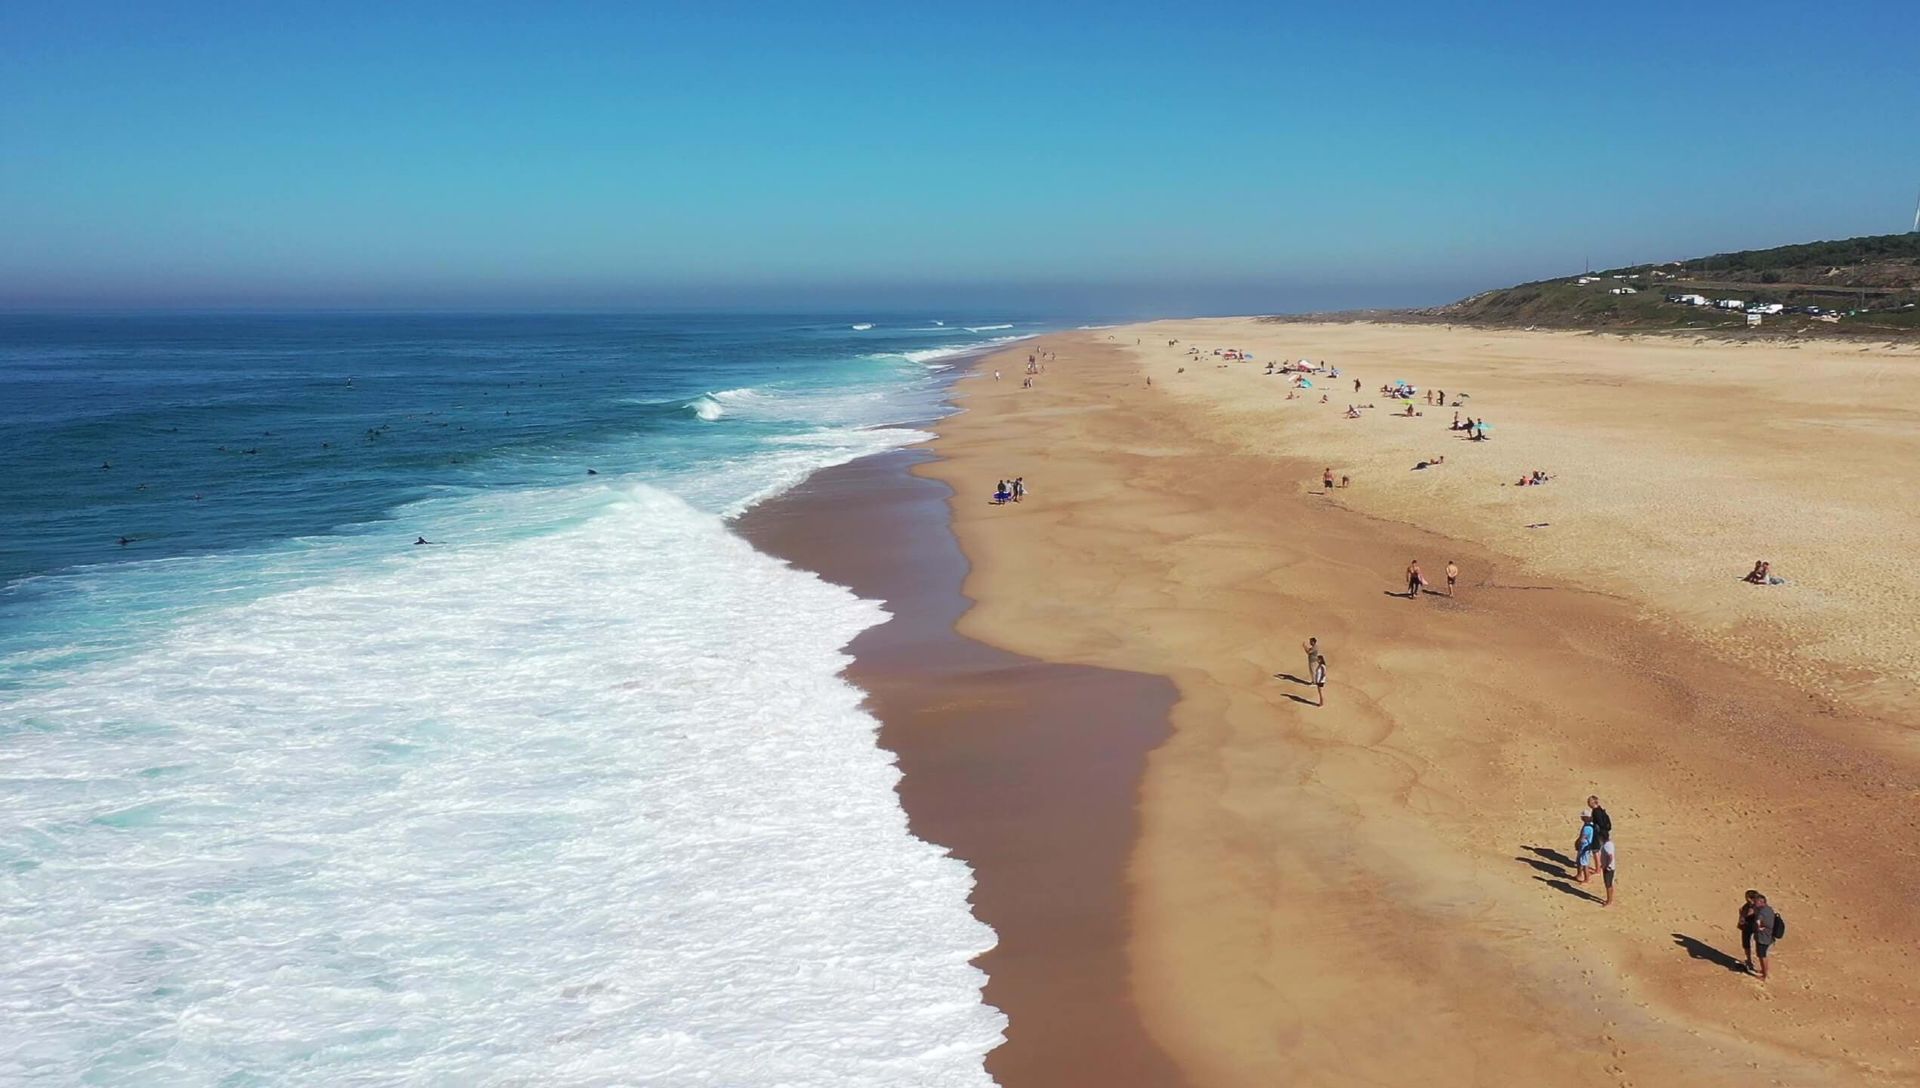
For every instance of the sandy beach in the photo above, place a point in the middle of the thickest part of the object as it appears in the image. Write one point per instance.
(1374, 891)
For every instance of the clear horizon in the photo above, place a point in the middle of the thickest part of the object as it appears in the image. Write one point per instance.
(1231, 159)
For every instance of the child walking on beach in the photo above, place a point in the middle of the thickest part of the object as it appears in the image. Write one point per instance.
(1583, 849)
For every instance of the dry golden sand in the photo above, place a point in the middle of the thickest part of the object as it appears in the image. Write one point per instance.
(1365, 893)
(1677, 463)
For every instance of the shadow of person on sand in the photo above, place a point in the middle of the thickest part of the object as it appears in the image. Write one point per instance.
(1295, 679)
(1701, 950)
(1562, 885)
(1554, 856)
(1542, 866)
(1402, 596)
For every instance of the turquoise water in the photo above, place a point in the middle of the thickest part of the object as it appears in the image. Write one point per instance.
(572, 794)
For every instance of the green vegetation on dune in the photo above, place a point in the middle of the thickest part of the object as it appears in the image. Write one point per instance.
(1865, 285)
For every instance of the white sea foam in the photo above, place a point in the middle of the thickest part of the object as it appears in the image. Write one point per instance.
(586, 805)
(933, 356)
(785, 461)
(986, 328)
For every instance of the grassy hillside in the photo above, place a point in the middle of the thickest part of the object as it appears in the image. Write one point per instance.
(1857, 285)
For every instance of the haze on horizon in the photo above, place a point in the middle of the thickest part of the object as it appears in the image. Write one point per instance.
(1127, 159)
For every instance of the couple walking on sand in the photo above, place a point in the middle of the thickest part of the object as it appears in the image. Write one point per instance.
(1417, 582)
(1760, 926)
(1593, 849)
(1316, 669)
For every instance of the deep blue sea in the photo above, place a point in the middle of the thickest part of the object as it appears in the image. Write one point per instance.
(571, 795)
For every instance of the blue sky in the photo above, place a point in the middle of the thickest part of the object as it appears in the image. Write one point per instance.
(1148, 156)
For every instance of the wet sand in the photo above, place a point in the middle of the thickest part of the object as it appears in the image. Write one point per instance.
(1029, 771)
(1374, 891)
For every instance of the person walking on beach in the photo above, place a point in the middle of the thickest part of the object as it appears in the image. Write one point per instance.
(1319, 674)
(1453, 575)
(1602, 823)
(1606, 869)
(1326, 478)
(1312, 648)
(1748, 910)
(1765, 919)
(1415, 580)
(1583, 849)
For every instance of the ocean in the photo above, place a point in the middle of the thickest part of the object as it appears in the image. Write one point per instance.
(571, 795)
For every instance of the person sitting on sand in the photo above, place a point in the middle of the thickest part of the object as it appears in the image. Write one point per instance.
(1758, 575)
(1410, 410)
(1352, 412)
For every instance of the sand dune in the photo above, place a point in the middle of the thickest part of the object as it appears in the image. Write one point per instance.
(1369, 892)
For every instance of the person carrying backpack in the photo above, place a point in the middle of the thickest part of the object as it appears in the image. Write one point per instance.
(1768, 927)
(1602, 823)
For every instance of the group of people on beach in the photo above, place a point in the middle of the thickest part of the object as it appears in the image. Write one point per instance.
(1476, 428)
(1034, 369)
(1595, 851)
(1013, 490)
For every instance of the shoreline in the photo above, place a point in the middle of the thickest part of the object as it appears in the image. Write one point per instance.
(1026, 770)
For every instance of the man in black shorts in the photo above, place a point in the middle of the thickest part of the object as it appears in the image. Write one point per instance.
(1762, 932)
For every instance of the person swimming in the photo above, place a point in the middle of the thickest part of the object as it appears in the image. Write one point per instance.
(422, 540)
